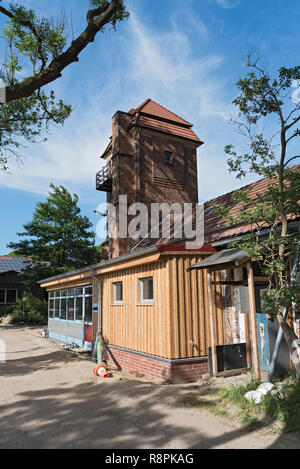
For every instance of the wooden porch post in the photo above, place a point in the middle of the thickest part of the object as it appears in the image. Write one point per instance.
(254, 340)
(212, 326)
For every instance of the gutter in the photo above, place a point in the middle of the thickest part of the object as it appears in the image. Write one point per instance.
(101, 264)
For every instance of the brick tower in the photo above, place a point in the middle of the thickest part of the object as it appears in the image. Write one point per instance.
(151, 157)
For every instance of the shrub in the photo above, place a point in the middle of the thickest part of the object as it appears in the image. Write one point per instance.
(32, 310)
(284, 410)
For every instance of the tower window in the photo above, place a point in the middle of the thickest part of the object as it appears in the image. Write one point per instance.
(168, 157)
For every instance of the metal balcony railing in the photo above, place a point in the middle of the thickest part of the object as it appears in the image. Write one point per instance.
(104, 178)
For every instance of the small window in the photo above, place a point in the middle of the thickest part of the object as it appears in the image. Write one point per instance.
(51, 308)
(146, 285)
(88, 291)
(63, 308)
(71, 309)
(168, 158)
(79, 291)
(2, 296)
(79, 309)
(11, 297)
(118, 293)
(71, 292)
(56, 307)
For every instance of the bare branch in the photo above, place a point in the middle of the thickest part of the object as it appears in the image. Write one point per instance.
(291, 159)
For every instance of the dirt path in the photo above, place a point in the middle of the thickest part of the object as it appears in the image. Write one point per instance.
(50, 399)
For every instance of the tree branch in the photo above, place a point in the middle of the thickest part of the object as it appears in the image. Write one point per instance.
(291, 159)
(31, 26)
(54, 70)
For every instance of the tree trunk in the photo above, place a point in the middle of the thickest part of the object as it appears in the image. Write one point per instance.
(290, 336)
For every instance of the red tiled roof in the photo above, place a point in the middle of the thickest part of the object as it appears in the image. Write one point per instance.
(216, 227)
(157, 110)
(152, 115)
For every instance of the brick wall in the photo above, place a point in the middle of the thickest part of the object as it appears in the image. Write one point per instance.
(139, 172)
(153, 368)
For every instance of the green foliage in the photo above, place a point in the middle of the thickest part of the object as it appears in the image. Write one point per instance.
(31, 311)
(120, 15)
(26, 119)
(267, 102)
(35, 48)
(283, 411)
(236, 393)
(37, 40)
(57, 239)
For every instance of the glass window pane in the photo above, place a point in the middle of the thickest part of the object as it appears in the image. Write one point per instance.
(51, 294)
(168, 157)
(71, 292)
(56, 307)
(57, 294)
(118, 292)
(51, 308)
(64, 292)
(79, 291)
(88, 309)
(71, 310)
(63, 308)
(2, 296)
(11, 296)
(78, 316)
(88, 290)
(147, 289)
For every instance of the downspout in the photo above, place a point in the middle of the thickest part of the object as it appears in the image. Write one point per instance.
(285, 312)
(98, 341)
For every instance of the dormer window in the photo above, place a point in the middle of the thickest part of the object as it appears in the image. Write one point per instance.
(168, 158)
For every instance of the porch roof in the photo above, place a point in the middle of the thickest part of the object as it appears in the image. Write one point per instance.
(223, 260)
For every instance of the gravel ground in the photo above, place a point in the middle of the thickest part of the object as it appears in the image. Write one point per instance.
(50, 399)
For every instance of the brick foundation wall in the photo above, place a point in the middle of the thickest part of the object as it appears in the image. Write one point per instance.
(153, 368)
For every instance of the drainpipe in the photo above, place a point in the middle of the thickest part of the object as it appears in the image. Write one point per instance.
(98, 341)
(99, 331)
(285, 312)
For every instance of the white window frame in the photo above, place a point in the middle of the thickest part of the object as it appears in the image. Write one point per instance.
(142, 299)
(5, 296)
(115, 301)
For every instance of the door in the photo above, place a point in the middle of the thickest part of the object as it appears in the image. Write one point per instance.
(263, 341)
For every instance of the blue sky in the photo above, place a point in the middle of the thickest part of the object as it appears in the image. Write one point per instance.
(185, 54)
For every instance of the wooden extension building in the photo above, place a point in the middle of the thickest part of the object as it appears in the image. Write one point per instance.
(156, 316)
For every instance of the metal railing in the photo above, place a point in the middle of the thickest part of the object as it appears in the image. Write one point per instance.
(104, 175)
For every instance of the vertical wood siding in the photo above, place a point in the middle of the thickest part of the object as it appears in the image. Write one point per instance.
(140, 327)
(189, 308)
(179, 313)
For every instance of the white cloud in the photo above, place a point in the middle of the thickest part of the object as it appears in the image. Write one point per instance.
(164, 65)
(161, 66)
(70, 156)
(228, 4)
